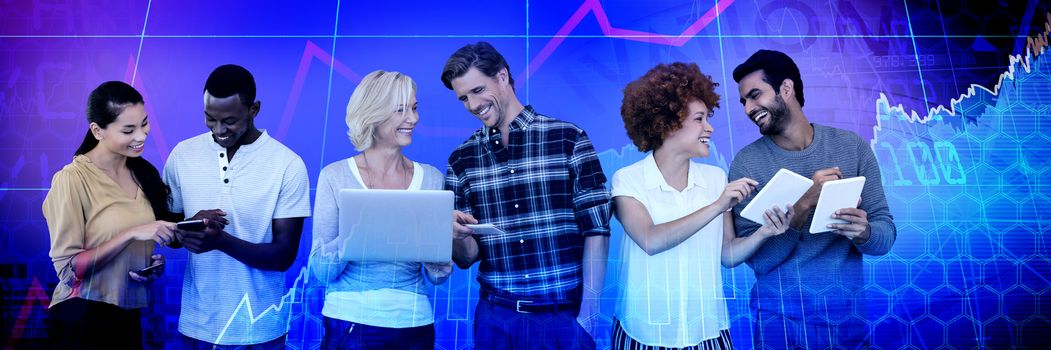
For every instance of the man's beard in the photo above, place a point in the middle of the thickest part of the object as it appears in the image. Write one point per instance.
(778, 117)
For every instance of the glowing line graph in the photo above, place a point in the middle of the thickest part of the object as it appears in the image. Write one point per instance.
(286, 300)
(36, 293)
(310, 52)
(156, 132)
(1036, 46)
(593, 6)
(313, 51)
(912, 116)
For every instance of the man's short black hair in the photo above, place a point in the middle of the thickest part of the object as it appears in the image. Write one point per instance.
(776, 67)
(231, 79)
(480, 55)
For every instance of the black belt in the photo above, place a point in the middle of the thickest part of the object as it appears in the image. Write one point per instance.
(526, 306)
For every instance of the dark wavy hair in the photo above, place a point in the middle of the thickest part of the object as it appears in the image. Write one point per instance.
(776, 67)
(655, 104)
(107, 102)
(480, 55)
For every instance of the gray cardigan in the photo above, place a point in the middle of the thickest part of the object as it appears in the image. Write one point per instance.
(357, 276)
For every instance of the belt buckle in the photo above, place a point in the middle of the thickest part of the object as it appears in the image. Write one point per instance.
(518, 306)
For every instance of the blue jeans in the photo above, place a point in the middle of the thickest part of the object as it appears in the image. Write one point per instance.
(501, 327)
(196, 344)
(346, 335)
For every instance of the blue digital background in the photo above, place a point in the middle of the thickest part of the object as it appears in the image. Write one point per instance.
(957, 111)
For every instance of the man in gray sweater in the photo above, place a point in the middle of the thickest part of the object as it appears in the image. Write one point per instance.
(808, 290)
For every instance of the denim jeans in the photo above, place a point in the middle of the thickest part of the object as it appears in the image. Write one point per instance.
(346, 335)
(195, 344)
(501, 327)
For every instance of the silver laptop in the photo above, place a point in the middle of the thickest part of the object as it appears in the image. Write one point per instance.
(396, 225)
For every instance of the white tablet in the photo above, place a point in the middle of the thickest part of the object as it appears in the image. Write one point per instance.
(836, 195)
(786, 187)
(396, 225)
(486, 229)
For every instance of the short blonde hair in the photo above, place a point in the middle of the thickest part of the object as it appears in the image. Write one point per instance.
(375, 100)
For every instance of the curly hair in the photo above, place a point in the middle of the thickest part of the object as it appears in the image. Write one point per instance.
(655, 105)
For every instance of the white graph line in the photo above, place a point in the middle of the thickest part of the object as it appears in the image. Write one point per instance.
(246, 303)
(914, 117)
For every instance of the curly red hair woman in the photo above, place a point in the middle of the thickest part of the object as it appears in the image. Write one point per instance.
(674, 213)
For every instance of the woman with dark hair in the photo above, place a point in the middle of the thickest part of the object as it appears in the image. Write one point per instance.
(105, 213)
(674, 214)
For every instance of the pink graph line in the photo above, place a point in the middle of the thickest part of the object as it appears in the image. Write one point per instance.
(311, 52)
(156, 132)
(593, 6)
(36, 294)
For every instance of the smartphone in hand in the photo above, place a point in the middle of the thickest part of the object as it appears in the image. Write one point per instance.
(191, 225)
(149, 270)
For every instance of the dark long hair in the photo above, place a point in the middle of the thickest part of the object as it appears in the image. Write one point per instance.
(107, 102)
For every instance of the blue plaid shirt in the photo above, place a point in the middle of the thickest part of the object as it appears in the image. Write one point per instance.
(546, 190)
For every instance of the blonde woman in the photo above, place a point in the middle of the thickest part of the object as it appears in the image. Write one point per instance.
(377, 305)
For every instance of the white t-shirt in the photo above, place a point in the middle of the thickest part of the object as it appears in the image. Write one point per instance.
(673, 298)
(264, 181)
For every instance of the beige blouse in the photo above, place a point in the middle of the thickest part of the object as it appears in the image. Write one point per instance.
(85, 208)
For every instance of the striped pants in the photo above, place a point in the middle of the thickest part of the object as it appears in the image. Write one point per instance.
(621, 341)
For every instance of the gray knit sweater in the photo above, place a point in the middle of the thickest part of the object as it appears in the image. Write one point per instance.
(802, 275)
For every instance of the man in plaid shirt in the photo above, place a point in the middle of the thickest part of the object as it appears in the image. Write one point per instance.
(538, 180)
